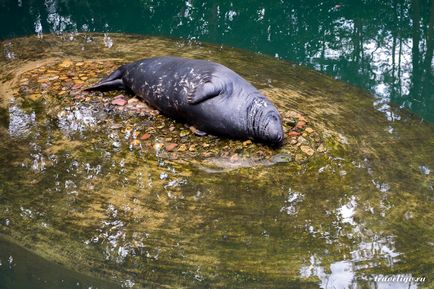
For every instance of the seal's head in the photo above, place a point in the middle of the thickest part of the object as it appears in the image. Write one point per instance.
(264, 122)
(272, 133)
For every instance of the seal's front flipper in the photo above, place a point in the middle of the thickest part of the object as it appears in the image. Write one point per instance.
(203, 92)
(112, 82)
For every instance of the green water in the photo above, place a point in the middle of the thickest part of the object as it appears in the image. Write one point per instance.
(385, 47)
(76, 191)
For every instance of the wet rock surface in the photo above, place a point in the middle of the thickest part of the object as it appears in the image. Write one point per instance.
(59, 87)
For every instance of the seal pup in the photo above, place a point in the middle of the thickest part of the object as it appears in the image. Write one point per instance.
(207, 95)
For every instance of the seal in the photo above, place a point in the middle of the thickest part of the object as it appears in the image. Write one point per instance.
(207, 95)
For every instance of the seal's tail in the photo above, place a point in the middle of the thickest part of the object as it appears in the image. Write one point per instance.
(112, 82)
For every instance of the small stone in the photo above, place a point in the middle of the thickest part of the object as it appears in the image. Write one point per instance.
(170, 147)
(293, 133)
(205, 145)
(293, 141)
(119, 101)
(116, 126)
(119, 96)
(145, 136)
(133, 100)
(66, 63)
(321, 148)
(116, 144)
(35, 96)
(79, 63)
(247, 142)
(234, 158)
(300, 124)
(302, 118)
(307, 150)
(192, 148)
(196, 131)
(299, 157)
(182, 148)
(302, 140)
(184, 133)
(158, 146)
(309, 130)
(77, 86)
(135, 143)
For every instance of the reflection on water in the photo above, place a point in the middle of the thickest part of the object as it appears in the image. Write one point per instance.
(94, 188)
(385, 47)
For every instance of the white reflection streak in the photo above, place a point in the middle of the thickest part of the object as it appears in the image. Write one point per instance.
(20, 122)
(38, 26)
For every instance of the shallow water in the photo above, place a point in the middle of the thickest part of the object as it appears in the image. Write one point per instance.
(80, 188)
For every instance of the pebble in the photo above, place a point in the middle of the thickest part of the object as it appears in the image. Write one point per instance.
(192, 148)
(247, 142)
(300, 124)
(116, 126)
(135, 143)
(133, 100)
(66, 64)
(302, 140)
(182, 148)
(321, 148)
(307, 150)
(196, 131)
(184, 133)
(309, 130)
(294, 133)
(170, 147)
(119, 101)
(234, 158)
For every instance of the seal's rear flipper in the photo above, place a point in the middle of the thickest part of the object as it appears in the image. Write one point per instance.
(112, 82)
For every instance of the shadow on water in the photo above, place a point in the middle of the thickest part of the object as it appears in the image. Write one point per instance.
(94, 186)
(21, 269)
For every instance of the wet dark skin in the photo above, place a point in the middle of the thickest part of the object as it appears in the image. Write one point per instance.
(207, 95)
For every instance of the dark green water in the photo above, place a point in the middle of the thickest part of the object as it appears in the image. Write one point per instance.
(385, 47)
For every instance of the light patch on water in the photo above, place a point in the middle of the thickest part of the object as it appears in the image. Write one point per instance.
(8, 51)
(76, 119)
(38, 26)
(108, 41)
(424, 170)
(379, 248)
(341, 276)
(127, 283)
(230, 15)
(291, 202)
(348, 210)
(261, 13)
(20, 123)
